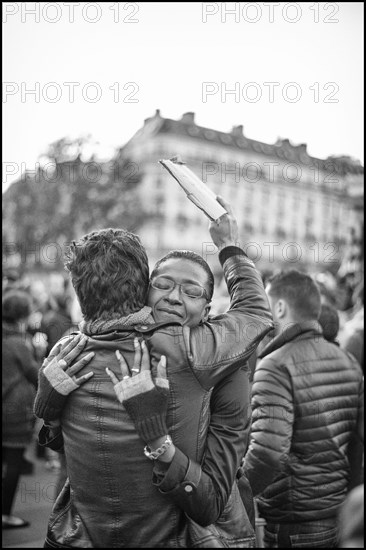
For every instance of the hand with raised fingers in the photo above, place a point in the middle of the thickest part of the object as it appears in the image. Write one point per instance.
(145, 398)
(57, 377)
(63, 357)
(224, 232)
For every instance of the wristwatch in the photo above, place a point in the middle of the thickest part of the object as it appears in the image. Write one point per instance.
(153, 455)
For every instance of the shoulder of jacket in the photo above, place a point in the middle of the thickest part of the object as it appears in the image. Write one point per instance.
(274, 365)
(282, 355)
(353, 363)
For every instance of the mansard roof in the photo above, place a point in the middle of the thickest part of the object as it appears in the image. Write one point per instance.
(283, 148)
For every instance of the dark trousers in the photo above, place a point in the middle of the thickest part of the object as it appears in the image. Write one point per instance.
(12, 464)
(309, 534)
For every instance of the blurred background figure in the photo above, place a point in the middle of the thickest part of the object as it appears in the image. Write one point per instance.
(53, 321)
(353, 332)
(57, 320)
(352, 341)
(329, 321)
(327, 286)
(20, 374)
(10, 279)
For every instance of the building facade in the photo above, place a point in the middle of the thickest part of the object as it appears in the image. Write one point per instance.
(291, 207)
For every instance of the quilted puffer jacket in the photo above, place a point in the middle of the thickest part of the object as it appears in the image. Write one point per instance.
(307, 401)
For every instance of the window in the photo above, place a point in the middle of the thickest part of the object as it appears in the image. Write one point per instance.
(263, 226)
(280, 232)
(247, 210)
(310, 206)
(158, 203)
(182, 221)
(247, 227)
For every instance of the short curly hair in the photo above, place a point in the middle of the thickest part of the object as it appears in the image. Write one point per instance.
(109, 272)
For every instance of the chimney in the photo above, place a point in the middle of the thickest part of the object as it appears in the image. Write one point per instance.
(188, 118)
(157, 114)
(237, 131)
(303, 147)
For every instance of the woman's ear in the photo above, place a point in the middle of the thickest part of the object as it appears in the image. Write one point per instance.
(205, 313)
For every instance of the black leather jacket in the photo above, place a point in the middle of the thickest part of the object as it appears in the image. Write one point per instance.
(111, 493)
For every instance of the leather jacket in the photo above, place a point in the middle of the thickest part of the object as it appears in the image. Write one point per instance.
(111, 494)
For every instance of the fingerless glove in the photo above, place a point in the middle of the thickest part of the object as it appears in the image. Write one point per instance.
(54, 385)
(146, 401)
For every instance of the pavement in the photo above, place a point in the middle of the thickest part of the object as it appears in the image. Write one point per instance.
(34, 501)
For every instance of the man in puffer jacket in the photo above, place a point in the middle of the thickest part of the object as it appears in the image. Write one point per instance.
(307, 401)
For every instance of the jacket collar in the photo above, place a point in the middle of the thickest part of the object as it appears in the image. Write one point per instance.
(290, 333)
(113, 335)
(101, 326)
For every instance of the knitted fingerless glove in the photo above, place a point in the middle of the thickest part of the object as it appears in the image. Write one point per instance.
(54, 385)
(146, 401)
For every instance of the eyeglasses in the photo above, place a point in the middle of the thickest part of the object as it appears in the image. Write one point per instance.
(191, 290)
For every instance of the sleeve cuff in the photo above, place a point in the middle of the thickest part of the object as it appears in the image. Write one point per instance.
(182, 478)
(54, 441)
(167, 479)
(228, 252)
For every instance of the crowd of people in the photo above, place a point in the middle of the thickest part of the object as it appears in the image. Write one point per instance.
(178, 422)
(33, 320)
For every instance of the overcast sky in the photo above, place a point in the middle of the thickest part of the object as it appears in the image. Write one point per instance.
(295, 71)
